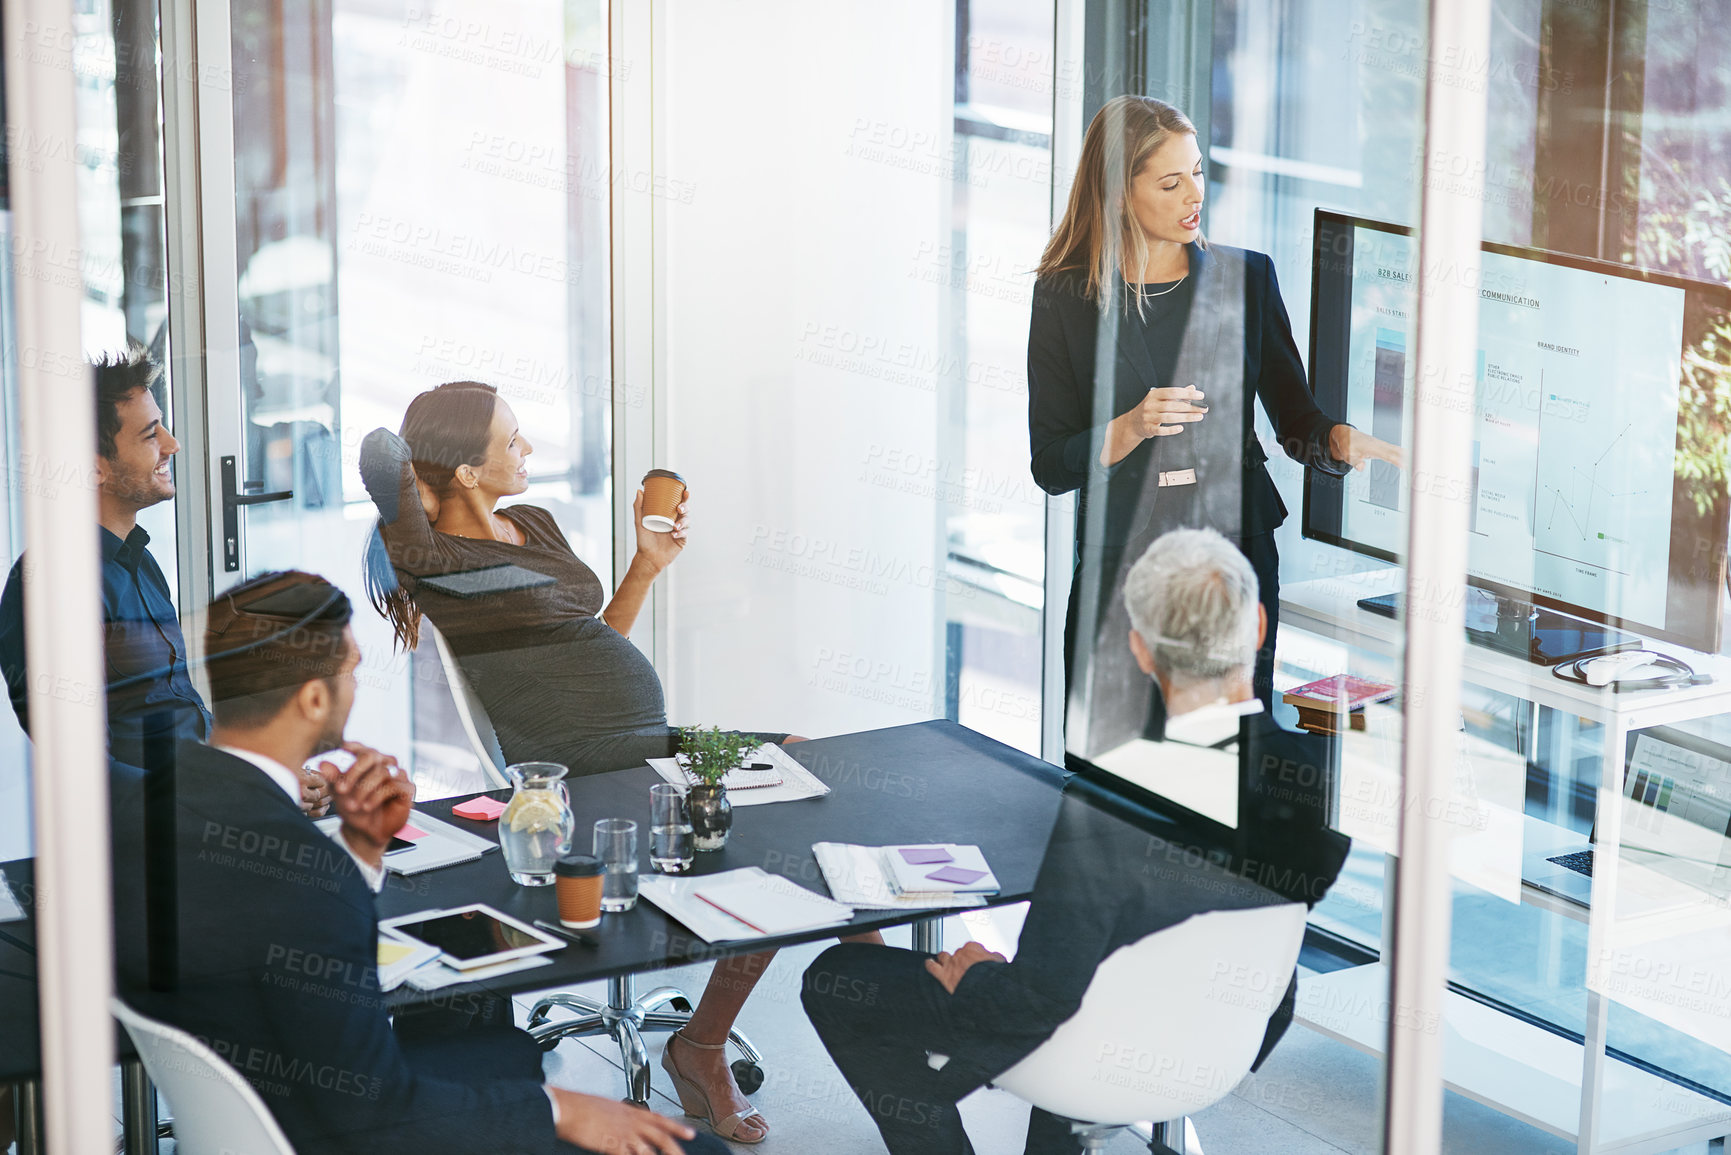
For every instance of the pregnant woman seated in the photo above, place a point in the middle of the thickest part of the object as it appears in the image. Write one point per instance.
(553, 666)
(555, 670)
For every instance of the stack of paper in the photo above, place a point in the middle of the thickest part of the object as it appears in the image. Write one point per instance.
(436, 844)
(742, 904)
(436, 975)
(399, 958)
(859, 876)
(786, 781)
(939, 869)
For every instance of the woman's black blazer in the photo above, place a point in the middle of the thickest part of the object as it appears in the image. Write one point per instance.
(1238, 344)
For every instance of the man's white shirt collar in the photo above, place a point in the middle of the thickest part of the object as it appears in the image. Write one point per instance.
(274, 770)
(291, 785)
(1211, 724)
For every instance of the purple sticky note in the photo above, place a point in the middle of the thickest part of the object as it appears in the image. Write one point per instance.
(925, 855)
(957, 875)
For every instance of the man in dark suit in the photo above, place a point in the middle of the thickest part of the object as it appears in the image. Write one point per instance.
(1116, 870)
(274, 943)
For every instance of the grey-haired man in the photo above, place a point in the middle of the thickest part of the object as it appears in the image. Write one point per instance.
(1116, 870)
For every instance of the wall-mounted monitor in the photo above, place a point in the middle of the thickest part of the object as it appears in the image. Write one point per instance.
(1598, 486)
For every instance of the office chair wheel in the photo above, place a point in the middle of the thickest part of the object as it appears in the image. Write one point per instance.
(548, 1045)
(683, 1004)
(748, 1075)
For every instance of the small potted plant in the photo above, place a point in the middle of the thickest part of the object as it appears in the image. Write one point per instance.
(706, 756)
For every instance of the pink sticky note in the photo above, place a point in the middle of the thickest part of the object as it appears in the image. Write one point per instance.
(925, 855)
(956, 875)
(410, 834)
(481, 809)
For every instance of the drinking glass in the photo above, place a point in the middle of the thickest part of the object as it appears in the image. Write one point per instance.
(670, 846)
(616, 847)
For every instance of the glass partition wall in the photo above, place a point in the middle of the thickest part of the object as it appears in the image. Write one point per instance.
(1593, 494)
(421, 196)
(791, 251)
(20, 1045)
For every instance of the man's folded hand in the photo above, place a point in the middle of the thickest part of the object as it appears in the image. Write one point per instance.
(949, 968)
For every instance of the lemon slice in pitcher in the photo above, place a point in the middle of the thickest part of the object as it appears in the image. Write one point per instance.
(529, 814)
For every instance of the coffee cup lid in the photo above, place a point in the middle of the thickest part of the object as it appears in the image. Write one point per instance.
(578, 866)
(664, 473)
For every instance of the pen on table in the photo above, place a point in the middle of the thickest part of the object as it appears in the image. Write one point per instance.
(567, 933)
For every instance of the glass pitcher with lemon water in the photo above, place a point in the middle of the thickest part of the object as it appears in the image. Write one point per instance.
(537, 826)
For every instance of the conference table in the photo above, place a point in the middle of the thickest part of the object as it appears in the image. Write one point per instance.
(927, 782)
(931, 781)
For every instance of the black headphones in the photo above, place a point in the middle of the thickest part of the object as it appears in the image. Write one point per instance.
(1675, 673)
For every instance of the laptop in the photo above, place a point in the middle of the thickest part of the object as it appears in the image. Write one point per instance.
(1676, 843)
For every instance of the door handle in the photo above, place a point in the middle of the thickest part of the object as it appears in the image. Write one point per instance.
(232, 500)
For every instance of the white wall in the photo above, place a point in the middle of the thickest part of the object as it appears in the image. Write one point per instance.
(810, 145)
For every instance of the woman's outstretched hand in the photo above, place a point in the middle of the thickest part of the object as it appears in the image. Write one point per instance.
(1355, 448)
(660, 549)
(655, 552)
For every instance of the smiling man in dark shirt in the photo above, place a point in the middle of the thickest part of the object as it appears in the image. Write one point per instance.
(151, 699)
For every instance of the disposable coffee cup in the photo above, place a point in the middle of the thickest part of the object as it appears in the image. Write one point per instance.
(663, 490)
(577, 886)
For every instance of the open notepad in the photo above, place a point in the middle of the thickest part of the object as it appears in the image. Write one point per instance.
(741, 904)
(936, 870)
(435, 844)
(862, 876)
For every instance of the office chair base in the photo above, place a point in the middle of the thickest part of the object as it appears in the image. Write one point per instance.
(1177, 1137)
(624, 1018)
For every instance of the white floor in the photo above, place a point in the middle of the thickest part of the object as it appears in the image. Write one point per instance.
(1312, 1097)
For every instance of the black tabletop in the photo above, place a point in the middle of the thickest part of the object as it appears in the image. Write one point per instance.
(20, 1035)
(928, 782)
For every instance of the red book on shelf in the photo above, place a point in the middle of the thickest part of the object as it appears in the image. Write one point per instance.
(1326, 722)
(1337, 694)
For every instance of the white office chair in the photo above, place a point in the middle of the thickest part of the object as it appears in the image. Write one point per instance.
(1168, 1026)
(470, 712)
(216, 1112)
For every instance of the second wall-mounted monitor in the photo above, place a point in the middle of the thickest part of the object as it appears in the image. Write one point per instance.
(1598, 484)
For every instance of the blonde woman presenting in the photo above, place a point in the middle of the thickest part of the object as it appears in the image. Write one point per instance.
(1147, 350)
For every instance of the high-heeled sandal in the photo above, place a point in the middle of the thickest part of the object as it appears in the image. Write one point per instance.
(692, 1097)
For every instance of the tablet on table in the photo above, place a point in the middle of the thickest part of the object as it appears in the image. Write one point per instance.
(472, 936)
